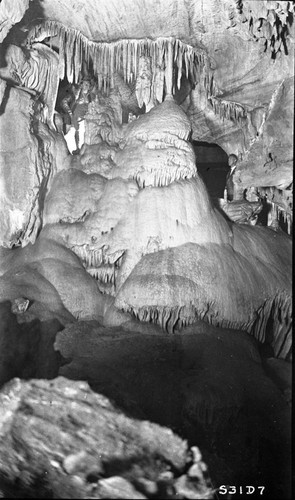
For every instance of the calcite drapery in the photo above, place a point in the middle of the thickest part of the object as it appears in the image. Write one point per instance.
(38, 73)
(20, 188)
(54, 281)
(30, 156)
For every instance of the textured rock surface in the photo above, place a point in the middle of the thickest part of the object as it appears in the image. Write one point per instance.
(60, 439)
(73, 195)
(271, 149)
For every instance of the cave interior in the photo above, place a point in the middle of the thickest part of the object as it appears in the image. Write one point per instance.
(146, 182)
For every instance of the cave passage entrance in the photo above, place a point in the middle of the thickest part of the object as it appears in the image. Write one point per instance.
(212, 165)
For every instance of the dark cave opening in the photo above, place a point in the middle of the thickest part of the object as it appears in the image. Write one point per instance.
(212, 165)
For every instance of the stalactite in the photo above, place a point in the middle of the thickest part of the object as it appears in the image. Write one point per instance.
(69, 56)
(124, 49)
(111, 65)
(169, 68)
(76, 69)
(279, 207)
(163, 177)
(179, 54)
(128, 63)
(124, 55)
(227, 109)
(106, 69)
(61, 60)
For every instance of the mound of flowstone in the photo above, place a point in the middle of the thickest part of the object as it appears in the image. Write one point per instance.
(54, 281)
(58, 439)
(180, 285)
(73, 195)
(161, 248)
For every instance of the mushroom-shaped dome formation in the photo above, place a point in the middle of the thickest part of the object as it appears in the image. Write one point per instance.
(161, 121)
(156, 151)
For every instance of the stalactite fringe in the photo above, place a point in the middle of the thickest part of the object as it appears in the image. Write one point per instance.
(274, 325)
(275, 198)
(167, 54)
(163, 177)
(170, 59)
(272, 322)
(178, 317)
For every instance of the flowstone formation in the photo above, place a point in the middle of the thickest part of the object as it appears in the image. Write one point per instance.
(113, 244)
(151, 202)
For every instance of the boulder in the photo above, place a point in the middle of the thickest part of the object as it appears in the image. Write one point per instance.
(59, 439)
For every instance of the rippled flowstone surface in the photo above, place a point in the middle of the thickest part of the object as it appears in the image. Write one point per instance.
(58, 439)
